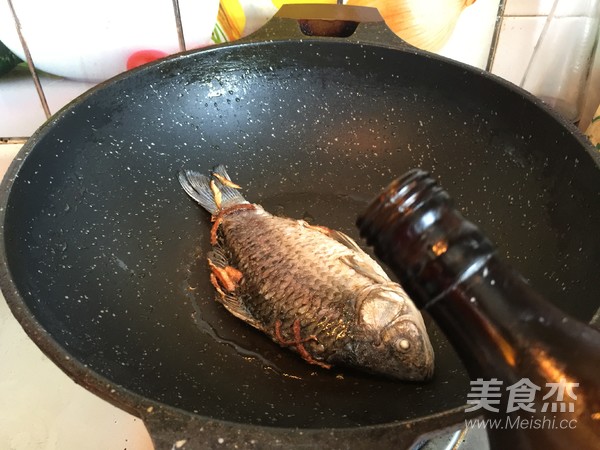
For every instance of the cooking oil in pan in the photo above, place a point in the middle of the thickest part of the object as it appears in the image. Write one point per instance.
(205, 327)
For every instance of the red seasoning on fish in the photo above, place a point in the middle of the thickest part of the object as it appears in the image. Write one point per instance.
(309, 288)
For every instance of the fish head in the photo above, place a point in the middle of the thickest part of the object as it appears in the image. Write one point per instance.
(394, 340)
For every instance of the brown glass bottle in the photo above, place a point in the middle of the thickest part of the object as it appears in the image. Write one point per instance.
(499, 325)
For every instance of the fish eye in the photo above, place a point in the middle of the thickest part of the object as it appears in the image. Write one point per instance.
(402, 345)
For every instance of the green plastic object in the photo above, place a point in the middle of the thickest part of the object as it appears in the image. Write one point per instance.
(8, 60)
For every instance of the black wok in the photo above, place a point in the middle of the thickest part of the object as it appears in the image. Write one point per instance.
(103, 253)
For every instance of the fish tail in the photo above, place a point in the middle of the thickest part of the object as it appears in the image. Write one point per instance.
(213, 193)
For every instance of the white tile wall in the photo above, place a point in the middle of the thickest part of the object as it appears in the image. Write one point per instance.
(520, 30)
(472, 36)
(20, 108)
(518, 35)
(21, 113)
(527, 7)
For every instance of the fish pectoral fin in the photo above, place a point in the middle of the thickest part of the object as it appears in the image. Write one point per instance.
(224, 278)
(366, 267)
(234, 304)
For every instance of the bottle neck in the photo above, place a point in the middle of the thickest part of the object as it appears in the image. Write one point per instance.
(415, 229)
(505, 328)
(492, 316)
(499, 325)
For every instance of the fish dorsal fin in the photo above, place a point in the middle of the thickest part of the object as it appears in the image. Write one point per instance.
(346, 240)
(338, 236)
(364, 265)
(359, 260)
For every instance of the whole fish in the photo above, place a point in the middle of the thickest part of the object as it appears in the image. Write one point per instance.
(309, 288)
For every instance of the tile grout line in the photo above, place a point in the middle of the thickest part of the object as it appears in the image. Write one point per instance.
(30, 64)
(496, 36)
(178, 25)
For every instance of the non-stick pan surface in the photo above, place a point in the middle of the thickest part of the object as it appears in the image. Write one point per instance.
(104, 253)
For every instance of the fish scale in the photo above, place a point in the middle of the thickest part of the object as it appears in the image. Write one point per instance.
(309, 288)
(305, 294)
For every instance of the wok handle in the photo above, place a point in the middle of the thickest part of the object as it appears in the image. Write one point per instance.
(358, 24)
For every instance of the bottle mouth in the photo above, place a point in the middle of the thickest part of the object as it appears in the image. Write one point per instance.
(400, 202)
(412, 189)
(415, 229)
